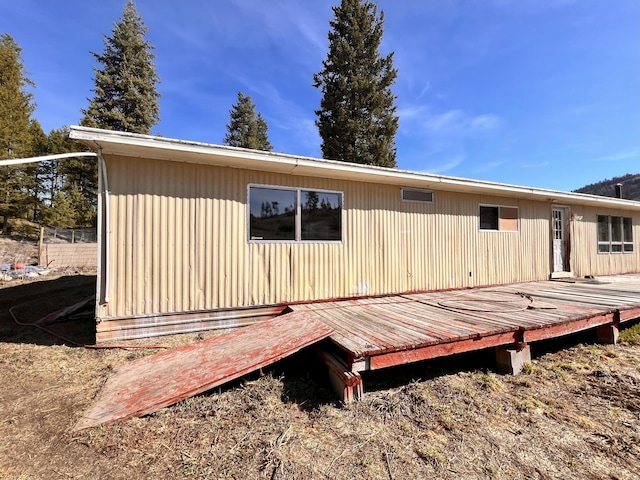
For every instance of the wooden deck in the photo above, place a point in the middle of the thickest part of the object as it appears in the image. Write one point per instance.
(381, 332)
(369, 334)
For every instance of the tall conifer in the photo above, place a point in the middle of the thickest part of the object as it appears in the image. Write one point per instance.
(125, 98)
(16, 107)
(356, 119)
(246, 129)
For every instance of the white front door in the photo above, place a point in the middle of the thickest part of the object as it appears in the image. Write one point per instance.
(559, 243)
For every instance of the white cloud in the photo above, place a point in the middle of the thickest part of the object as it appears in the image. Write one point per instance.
(535, 165)
(616, 157)
(459, 123)
(488, 166)
(484, 122)
(446, 164)
(412, 112)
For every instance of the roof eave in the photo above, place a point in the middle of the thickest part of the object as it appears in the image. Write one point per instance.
(152, 147)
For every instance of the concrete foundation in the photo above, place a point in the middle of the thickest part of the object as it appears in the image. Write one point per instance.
(511, 360)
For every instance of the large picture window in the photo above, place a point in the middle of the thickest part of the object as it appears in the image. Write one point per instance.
(498, 218)
(615, 234)
(294, 214)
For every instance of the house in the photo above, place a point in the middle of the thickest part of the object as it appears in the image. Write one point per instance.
(195, 236)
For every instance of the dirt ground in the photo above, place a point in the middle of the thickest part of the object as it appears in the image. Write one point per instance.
(573, 414)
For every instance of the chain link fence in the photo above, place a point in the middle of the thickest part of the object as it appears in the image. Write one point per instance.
(69, 235)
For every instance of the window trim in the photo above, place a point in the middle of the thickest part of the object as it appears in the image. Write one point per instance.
(499, 207)
(298, 214)
(421, 190)
(609, 242)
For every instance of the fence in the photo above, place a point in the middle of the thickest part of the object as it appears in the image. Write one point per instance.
(68, 235)
(68, 248)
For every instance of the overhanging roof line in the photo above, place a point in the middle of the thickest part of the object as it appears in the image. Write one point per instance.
(160, 148)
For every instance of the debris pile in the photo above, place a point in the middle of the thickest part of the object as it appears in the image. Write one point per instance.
(11, 271)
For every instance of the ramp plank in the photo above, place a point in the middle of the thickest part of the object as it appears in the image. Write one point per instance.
(148, 384)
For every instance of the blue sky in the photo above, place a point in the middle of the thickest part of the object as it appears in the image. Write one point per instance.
(543, 93)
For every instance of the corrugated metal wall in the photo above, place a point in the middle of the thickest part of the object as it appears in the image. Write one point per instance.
(179, 242)
(584, 257)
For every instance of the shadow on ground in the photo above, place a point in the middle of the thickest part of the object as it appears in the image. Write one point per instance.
(31, 301)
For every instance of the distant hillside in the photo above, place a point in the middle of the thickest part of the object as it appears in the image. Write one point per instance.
(606, 188)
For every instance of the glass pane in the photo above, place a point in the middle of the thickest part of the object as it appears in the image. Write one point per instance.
(488, 218)
(603, 228)
(272, 214)
(603, 248)
(321, 215)
(616, 229)
(628, 247)
(627, 228)
(616, 247)
(410, 195)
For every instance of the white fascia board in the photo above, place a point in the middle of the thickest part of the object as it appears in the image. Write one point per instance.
(160, 148)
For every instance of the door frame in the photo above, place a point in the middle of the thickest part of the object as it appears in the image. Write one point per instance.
(566, 241)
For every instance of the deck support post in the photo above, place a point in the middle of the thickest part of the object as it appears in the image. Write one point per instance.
(607, 334)
(346, 383)
(511, 359)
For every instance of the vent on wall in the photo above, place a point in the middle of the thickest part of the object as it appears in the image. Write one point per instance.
(413, 195)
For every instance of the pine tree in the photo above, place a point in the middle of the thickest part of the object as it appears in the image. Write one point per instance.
(16, 107)
(72, 181)
(246, 129)
(356, 119)
(125, 98)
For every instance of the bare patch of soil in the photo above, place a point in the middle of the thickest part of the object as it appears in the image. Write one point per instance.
(573, 414)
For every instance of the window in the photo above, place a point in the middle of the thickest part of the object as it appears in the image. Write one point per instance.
(615, 234)
(627, 234)
(294, 214)
(413, 195)
(493, 217)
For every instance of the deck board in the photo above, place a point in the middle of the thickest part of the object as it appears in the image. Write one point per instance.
(409, 327)
(150, 383)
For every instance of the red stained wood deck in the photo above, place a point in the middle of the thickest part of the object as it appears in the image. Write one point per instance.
(372, 333)
(148, 384)
(381, 332)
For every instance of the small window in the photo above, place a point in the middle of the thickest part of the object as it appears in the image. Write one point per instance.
(498, 218)
(615, 234)
(488, 218)
(292, 214)
(413, 195)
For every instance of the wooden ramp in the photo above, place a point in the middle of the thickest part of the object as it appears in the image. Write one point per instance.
(148, 384)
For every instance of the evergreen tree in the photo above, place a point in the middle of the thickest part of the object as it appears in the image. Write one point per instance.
(69, 186)
(16, 107)
(356, 120)
(125, 98)
(246, 129)
(31, 179)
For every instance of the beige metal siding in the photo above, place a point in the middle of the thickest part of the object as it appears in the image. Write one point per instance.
(585, 259)
(178, 239)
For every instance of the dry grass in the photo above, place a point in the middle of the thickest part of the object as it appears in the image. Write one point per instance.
(574, 413)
